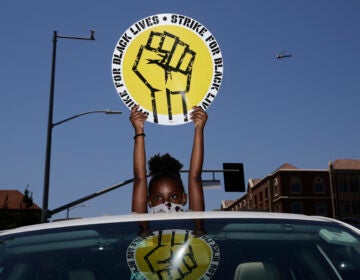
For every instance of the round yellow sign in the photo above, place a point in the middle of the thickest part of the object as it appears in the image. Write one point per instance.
(173, 254)
(167, 63)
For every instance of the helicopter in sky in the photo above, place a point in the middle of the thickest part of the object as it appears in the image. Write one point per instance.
(283, 55)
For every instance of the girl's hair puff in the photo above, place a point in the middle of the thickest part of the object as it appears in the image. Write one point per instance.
(164, 166)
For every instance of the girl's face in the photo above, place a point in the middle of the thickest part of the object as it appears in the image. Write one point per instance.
(166, 190)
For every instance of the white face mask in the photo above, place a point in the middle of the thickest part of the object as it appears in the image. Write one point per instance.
(166, 207)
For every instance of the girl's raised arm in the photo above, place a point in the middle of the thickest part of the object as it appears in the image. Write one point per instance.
(196, 194)
(139, 197)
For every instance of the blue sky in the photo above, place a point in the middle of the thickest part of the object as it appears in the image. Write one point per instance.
(303, 110)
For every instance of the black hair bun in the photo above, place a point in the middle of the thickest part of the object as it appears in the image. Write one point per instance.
(164, 164)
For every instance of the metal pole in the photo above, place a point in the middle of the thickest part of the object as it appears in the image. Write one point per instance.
(88, 197)
(44, 211)
(331, 179)
(71, 208)
(49, 135)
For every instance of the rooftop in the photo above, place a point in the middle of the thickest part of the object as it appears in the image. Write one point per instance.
(346, 164)
(14, 200)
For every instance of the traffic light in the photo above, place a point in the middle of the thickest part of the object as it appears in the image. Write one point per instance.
(234, 178)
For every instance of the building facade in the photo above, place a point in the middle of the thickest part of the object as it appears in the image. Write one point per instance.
(345, 177)
(332, 192)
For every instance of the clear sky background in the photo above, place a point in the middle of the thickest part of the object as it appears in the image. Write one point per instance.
(303, 110)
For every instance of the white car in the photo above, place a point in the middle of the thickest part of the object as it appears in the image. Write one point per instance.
(236, 245)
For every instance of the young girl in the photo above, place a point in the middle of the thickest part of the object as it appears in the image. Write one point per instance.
(166, 191)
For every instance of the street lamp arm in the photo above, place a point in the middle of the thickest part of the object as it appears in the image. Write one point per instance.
(214, 170)
(92, 38)
(86, 113)
(88, 197)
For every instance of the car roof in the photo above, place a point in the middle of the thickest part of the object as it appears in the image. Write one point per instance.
(134, 217)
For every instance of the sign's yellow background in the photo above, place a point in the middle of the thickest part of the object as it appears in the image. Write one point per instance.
(201, 76)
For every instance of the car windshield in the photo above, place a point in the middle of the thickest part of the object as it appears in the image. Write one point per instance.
(230, 249)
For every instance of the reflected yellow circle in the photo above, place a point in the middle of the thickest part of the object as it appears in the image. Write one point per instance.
(173, 256)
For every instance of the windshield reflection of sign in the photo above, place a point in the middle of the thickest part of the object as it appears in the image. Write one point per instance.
(165, 55)
(173, 254)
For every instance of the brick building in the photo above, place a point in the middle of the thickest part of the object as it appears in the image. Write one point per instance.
(17, 209)
(332, 192)
(345, 177)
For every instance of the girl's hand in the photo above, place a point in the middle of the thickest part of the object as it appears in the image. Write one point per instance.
(199, 117)
(137, 119)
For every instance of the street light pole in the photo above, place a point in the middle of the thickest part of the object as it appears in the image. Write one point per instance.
(71, 208)
(50, 122)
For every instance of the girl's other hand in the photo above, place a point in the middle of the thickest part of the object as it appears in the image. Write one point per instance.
(199, 117)
(137, 119)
